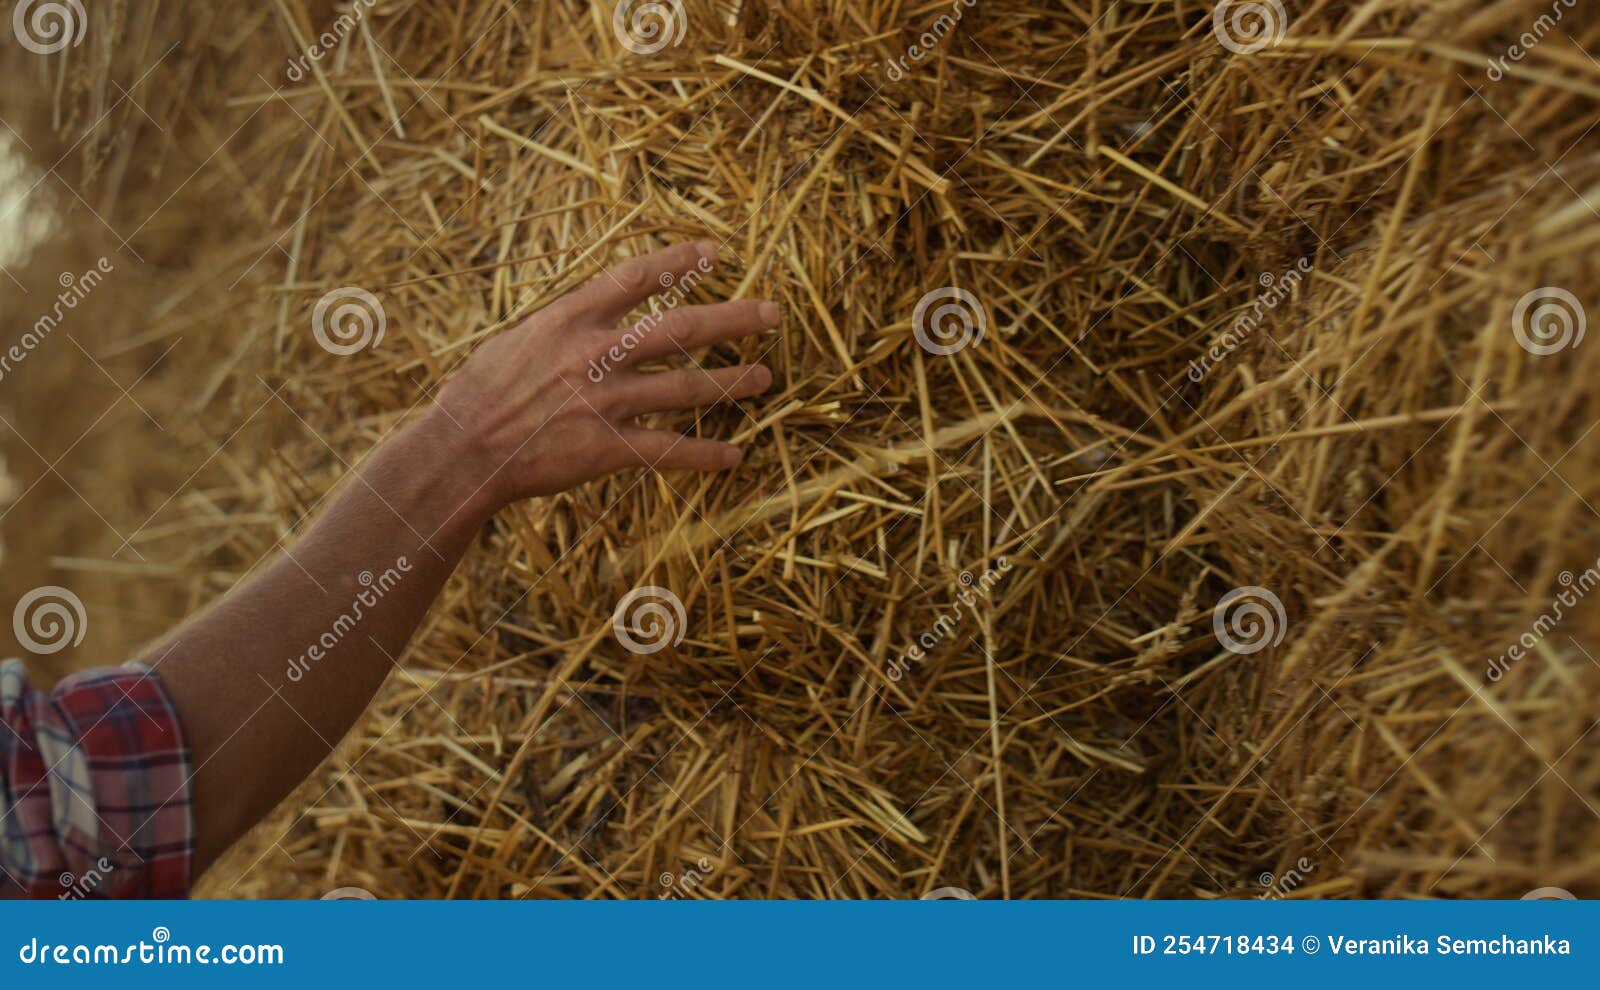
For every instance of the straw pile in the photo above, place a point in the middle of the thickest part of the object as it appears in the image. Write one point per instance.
(1233, 319)
(107, 148)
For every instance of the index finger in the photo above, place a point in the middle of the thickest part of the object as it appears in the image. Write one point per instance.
(611, 295)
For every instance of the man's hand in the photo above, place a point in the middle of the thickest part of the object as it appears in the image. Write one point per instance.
(551, 404)
(267, 679)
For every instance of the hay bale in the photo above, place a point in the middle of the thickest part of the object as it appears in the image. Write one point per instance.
(124, 227)
(1246, 322)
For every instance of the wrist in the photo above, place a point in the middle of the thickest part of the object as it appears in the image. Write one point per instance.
(455, 479)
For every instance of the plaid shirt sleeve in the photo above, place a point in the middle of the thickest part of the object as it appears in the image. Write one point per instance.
(94, 787)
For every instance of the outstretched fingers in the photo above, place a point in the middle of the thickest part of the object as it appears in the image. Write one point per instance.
(663, 451)
(606, 299)
(673, 327)
(690, 327)
(690, 389)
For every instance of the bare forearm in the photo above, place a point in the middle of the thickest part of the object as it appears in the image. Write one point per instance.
(272, 677)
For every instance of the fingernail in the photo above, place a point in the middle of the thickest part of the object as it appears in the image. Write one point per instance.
(764, 377)
(769, 313)
(733, 457)
(706, 249)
